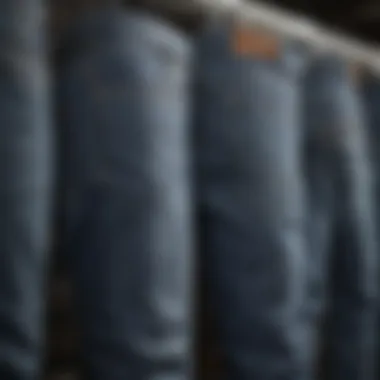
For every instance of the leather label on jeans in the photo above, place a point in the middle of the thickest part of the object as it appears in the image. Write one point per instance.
(249, 42)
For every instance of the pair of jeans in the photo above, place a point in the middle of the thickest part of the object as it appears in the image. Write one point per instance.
(25, 186)
(340, 223)
(370, 91)
(124, 103)
(250, 199)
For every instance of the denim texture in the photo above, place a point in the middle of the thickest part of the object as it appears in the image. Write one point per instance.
(250, 194)
(343, 257)
(370, 92)
(125, 102)
(26, 184)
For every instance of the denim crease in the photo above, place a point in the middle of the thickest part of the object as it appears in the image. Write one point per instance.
(125, 103)
(250, 197)
(343, 258)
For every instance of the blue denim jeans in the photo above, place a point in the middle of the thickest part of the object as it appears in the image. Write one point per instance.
(124, 102)
(343, 258)
(250, 196)
(25, 196)
(370, 91)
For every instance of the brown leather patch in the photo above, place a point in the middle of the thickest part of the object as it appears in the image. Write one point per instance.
(254, 43)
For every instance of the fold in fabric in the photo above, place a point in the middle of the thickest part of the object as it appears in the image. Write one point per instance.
(124, 101)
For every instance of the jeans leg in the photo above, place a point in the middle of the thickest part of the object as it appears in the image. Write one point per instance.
(250, 194)
(25, 178)
(354, 264)
(321, 147)
(125, 107)
(370, 91)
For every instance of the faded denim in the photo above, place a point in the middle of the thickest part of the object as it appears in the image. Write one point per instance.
(124, 104)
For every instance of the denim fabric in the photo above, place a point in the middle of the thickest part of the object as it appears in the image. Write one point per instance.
(25, 182)
(319, 165)
(370, 90)
(124, 103)
(341, 224)
(251, 203)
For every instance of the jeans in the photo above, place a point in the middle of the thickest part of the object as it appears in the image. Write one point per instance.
(26, 179)
(343, 258)
(124, 105)
(248, 148)
(370, 91)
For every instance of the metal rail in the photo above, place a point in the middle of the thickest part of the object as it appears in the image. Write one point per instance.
(288, 24)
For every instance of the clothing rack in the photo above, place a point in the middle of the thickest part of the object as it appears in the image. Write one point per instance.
(288, 24)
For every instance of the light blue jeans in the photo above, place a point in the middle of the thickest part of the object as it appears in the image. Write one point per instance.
(124, 103)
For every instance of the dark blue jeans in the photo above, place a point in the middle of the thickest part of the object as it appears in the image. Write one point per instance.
(343, 253)
(251, 203)
(370, 91)
(124, 104)
(25, 196)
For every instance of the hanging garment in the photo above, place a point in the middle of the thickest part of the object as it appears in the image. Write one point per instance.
(370, 91)
(248, 148)
(25, 180)
(124, 105)
(343, 259)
